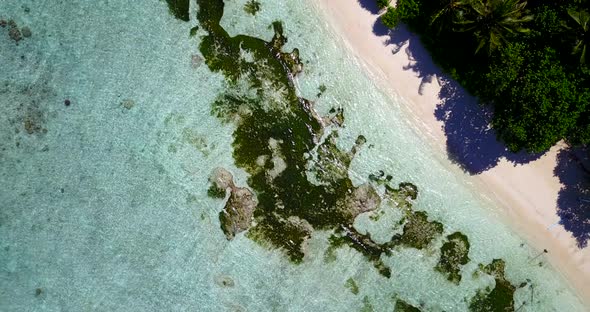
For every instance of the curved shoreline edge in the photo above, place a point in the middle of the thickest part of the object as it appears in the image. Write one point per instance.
(523, 196)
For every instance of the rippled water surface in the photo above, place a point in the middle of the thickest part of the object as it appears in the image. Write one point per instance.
(104, 204)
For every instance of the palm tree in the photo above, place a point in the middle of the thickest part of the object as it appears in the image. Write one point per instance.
(448, 13)
(583, 19)
(493, 21)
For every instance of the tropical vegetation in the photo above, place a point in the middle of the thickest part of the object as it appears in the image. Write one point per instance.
(526, 59)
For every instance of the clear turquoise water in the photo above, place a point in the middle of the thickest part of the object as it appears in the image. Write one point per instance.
(108, 209)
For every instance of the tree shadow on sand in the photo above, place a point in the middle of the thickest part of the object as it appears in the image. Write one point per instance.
(369, 5)
(573, 202)
(471, 143)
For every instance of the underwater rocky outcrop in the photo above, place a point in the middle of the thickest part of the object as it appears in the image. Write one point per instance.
(179, 8)
(298, 176)
(238, 211)
(453, 255)
(15, 32)
(501, 297)
(298, 180)
(279, 139)
(402, 306)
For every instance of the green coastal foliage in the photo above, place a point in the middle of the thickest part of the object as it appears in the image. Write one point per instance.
(382, 4)
(403, 10)
(527, 60)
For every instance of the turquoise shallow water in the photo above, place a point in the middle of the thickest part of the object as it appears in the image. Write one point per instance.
(104, 203)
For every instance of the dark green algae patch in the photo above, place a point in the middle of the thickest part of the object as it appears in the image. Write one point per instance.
(402, 306)
(179, 8)
(252, 7)
(279, 141)
(275, 137)
(454, 253)
(498, 299)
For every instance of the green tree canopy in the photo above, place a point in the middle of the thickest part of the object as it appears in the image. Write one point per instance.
(537, 103)
(493, 21)
(582, 19)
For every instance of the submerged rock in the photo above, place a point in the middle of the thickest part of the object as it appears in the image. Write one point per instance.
(418, 231)
(196, 61)
(26, 32)
(276, 138)
(338, 118)
(402, 306)
(367, 306)
(238, 212)
(351, 284)
(179, 8)
(501, 297)
(128, 104)
(224, 281)
(34, 120)
(332, 163)
(13, 32)
(453, 255)
(252, 7)
(322, 88)
(402, 196)
(348, 235)
(362, 199)
(293, 61)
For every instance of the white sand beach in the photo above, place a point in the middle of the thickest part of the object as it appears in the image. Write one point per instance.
(525, 196)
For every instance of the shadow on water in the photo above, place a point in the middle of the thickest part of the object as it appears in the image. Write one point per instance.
(471, 143)
(573, 202)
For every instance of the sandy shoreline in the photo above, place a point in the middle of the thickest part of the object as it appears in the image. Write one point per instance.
(525, 195)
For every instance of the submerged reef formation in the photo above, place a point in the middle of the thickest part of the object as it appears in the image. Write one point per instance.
(501, 297)
(298, 180)
(252, 7)
(402, 306)
(237, 214)
(454, 254)
(351, 284)
(14, 32)
(179, 8)
(418, 231)
(298, 173)
(279, 140)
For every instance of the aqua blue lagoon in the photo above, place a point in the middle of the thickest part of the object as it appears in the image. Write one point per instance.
(230, 157)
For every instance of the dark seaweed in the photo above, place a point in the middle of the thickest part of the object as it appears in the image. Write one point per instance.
(454, 254)
(402, 306)
(272, 123)
(179, 8)
(501, 297)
